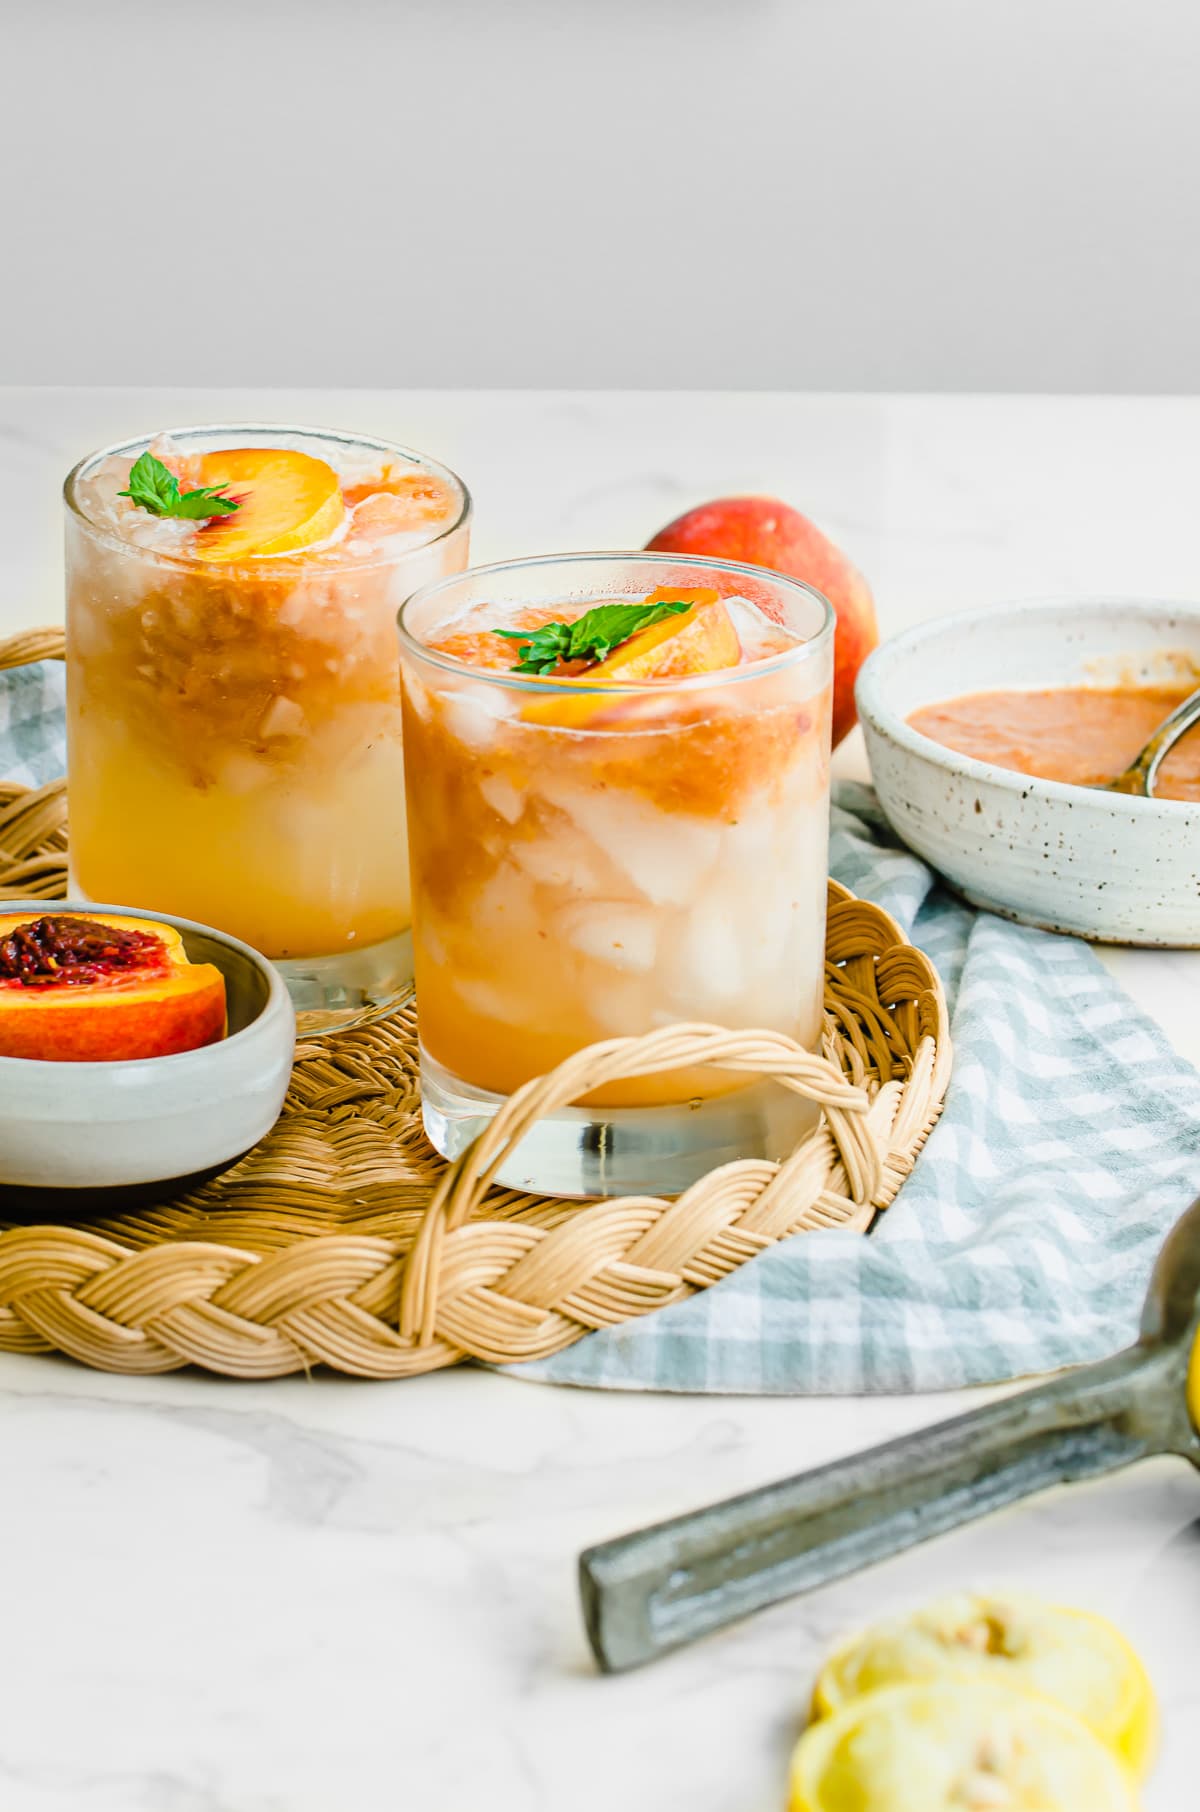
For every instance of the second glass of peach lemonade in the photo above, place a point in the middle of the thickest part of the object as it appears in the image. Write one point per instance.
(234, 725)
(618, 803)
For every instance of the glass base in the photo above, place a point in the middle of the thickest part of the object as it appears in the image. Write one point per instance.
(590, 1151)
(353, 988)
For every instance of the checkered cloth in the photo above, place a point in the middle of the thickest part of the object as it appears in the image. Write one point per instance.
(33, 738)
(1023, 1241)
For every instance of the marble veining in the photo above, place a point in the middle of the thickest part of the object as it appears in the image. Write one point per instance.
(315, 1594)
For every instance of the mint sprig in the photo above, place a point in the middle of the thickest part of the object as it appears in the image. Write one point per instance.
(591, 637)
(153, 487)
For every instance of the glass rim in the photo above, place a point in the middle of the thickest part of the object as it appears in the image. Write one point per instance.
(289, 563)
(697, 682)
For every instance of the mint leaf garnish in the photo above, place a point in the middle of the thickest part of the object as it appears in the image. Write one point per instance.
(152, 487)
(204, 501)
(541, 650)
(592, 637)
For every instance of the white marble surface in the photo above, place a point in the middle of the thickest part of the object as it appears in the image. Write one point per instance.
(317, 1594)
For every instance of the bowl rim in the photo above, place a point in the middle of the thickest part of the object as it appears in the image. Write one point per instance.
(881, 717)
(176, 1064)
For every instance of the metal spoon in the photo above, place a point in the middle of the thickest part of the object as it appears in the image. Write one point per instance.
(649, 1592)
(1139, 777)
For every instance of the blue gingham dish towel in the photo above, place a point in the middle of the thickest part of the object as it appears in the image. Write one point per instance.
(1069, 1143)
(33, 738)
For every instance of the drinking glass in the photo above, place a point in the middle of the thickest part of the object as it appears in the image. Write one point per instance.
(591, 860)
(234, 727)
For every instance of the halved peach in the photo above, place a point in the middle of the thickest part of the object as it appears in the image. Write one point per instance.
(83, 988)
(701, 639)
(286, 501)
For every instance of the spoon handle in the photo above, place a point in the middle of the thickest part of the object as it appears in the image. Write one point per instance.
(660, 1587)
(1142, 772)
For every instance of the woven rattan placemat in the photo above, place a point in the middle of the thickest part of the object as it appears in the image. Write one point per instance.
(344, 1240)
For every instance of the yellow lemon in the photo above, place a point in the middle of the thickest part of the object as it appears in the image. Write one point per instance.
(1073, 1657)
(1193, 1384)
(956, 1746)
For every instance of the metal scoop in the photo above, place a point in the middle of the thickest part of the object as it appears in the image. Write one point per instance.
(652, 1591)
(1139, 777)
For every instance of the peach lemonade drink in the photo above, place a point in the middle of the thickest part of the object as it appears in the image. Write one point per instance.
(618, 808)
(233, 690)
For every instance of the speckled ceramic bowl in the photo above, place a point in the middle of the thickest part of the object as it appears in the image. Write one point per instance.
(1068, 858)
(84, 1137)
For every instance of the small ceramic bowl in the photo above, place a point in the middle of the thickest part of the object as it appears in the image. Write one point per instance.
(1067, 858)
(80, 1137)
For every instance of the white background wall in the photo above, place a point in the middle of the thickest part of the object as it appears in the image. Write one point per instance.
(975, 194)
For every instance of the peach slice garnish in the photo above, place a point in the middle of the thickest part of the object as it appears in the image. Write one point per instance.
(286, 501)
(699, 640)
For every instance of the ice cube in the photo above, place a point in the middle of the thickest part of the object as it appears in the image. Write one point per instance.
(664, 854)
(755, 892)
(619, 934)
(770, 933)
(749, 839)
(157, 534)
(239, 773)
(759, 635)
(563, 860)
(705, 964)
(503, 797)
(490, 1000)
(472, 716)
(294, 607)
(615, 1006)
(418, 697)
(282, 717)
(502, 906)
(432, 942)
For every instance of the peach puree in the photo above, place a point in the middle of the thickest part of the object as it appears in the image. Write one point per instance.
(1083, 735)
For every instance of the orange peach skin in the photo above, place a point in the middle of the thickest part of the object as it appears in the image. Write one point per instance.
(762, 531)
(178, 1008)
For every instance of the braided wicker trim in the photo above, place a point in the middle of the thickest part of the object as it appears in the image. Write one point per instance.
(344, 1240)
(33, 645)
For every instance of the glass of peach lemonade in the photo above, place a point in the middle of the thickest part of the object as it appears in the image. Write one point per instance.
(618, 803)
(234, 724)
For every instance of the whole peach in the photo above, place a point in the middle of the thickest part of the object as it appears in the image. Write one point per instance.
(763, 531)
